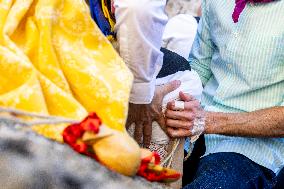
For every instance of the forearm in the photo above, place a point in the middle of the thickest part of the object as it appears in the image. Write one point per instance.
(262, 123)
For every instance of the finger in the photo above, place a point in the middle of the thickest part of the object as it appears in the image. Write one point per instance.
(179, 105)
(171, 86)
(171, 105)
(130, 119)
(180, 115)
(128, 122)
(192, 105)
(178, 133)
(186, 97)
(138, 133)
(147, 134)
(162, 122)
(179, 124)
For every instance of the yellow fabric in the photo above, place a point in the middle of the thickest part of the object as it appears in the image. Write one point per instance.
(55, 61)
(107, 14)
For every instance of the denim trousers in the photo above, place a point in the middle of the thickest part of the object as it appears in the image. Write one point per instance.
(231, 171)
(280, 180)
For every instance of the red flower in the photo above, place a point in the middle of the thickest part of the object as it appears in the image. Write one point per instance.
(152, 171)
(73, 134)
(149, 168)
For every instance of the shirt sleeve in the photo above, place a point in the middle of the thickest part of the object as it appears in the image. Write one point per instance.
(203, 47)
(140, 26)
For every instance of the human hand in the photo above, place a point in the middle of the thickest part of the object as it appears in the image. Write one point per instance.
(187, 123)
(143, 115)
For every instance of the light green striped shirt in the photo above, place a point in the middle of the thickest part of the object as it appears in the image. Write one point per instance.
(242, 68)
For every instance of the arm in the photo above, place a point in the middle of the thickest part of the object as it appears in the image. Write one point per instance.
(140, 25)
(262, 123)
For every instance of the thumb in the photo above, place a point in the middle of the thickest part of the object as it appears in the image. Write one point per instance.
(171, 86)
(186, 97)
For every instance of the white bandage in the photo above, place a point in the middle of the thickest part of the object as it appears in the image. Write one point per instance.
(198, 126)
(179, 105)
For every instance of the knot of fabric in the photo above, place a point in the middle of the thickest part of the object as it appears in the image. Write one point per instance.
(240, 6)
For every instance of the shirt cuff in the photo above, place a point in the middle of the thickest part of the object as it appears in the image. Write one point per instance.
(142, 93)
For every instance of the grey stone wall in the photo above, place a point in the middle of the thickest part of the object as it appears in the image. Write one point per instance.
(33, 162)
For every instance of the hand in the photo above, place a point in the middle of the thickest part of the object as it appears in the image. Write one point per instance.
(143, 115)
(186, 123)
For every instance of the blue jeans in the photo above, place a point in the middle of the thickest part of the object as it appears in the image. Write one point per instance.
(231, 171)
(280, 180)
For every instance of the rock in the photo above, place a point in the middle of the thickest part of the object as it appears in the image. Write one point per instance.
(31, 161)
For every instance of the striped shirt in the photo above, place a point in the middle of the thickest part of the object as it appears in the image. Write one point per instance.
(242, 68)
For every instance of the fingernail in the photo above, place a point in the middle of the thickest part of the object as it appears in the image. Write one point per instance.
(146, 145)
(172, 104)
(177, 83)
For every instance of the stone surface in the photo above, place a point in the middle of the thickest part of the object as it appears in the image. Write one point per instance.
(31, 161)
(175, 7)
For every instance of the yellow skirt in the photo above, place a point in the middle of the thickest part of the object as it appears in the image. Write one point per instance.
(55, 61)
